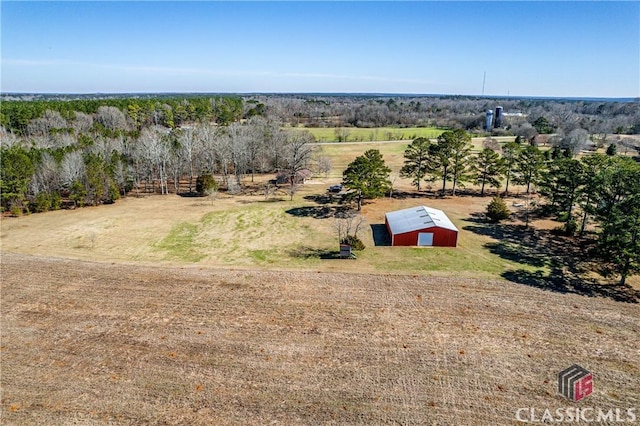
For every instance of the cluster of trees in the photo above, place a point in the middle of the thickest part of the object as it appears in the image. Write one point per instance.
(76, 162)
(450, 160)
(601, 190)
(125, 114)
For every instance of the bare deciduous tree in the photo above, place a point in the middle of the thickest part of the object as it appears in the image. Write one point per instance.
(111, 118)
(47, 176)
(71, 168)
(189, 150)
(155, 149)
(348, 224)
(324, 165)
(82, 122)
(43, 125)
(298, 152)
(575, 141)
(7, 138)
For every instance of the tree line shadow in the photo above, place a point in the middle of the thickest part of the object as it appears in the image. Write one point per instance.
(567, 259)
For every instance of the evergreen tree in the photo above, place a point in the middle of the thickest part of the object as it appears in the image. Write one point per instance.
(497, 210)
(451, 158)
(561, 182)
(510, 152)
(17, 168)
(417, 161)
(488, 168)
(529, 166)
(619, 242)
(589, 195)
(367, 176)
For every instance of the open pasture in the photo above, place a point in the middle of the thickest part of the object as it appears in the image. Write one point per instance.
(342, 153)
(244, 230)
(357, 134)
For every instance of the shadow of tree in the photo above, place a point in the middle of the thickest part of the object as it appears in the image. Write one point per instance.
(324, 210)
(191, 194)
(517, 253)
(313, 253)
(318, 212)
(322, 198)
(311, 211)
(567, 258)
(381, 235)
(565, 283)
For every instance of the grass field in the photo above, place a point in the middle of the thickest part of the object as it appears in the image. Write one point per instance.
(342, 153)
(355, 134)
(245, 230)
(175, 310)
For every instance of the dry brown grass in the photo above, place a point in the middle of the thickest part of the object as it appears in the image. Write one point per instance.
(96, 343)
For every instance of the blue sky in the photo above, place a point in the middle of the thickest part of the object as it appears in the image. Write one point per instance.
(582, 49)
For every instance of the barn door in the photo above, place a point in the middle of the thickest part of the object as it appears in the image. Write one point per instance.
(425, 239)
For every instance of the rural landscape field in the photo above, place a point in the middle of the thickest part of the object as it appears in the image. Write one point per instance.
(162, 309)
(319, 213)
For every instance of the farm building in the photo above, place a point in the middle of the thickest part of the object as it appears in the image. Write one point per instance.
(421, 226)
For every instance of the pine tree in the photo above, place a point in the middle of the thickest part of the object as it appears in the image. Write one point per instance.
(452, 158)
(497, 210)
(529, 166)
(488, 168)
(367, 176)
(417, 161)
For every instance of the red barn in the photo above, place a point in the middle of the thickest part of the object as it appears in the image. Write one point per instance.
(421, 226)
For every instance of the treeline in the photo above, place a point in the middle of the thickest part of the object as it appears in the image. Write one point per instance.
(81, 163)
(524, 117)
(28, 118)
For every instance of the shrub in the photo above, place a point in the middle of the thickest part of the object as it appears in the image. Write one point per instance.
(16, 209)
(497, 210)
(77, 193)
(114, 193)
(355, 242)
(568, 229)
(206, 183)
(42, 202)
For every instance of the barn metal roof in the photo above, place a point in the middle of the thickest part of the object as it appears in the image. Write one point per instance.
(416, 218)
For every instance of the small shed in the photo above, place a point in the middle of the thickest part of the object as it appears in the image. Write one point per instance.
(421, 226)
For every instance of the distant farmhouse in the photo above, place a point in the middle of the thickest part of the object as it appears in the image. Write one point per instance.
(421, 226)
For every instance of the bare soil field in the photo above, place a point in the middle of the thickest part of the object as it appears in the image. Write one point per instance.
(101, 343)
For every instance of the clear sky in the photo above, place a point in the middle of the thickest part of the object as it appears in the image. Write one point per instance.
(542, 48)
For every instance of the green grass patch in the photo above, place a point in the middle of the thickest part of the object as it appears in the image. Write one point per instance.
(263, 256)
(356, 134)
(180, 243)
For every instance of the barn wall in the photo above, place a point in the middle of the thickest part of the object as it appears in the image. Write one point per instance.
(406, 239)
(441, 237)
(386, 222)
(444, 237)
